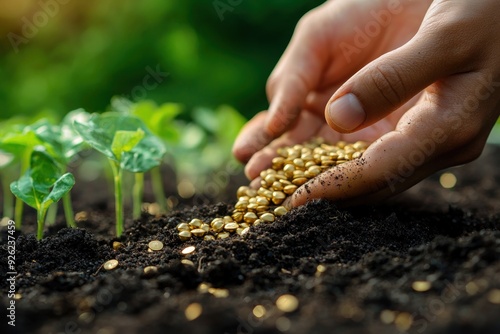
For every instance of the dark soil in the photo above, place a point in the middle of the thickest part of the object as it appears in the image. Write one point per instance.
(372, 257)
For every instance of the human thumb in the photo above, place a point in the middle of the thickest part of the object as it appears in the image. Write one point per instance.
(387, 83)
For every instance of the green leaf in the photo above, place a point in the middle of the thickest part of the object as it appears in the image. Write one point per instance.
(42, 184)
(99, 132)
(125, 141)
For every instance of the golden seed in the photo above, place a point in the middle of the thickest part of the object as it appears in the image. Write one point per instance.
(299, 181)
(278, 162)
(262, 208)
(155, 245)
(257, 222)
(219, 293)
(260, 200)
(150, 270)
(241, 205)
(237, 216)
(277, 185)
(218, 226)
(231, 227)
(307, 157)
(223, 235)
(339, 162)
(360, 145)
(187, 262)
(208, 237)
(203, 287)
(117, 245)
(250, 217)
(205, 227)
(239, 230)
(217, 221)
(227, 219)
(251, 192)
(421, 286)
(285, 183)
(195, 223)
(287, 303)
(198, 232)
(245, 230)
(242, 191)
(298, 162)
(111, 264)
(259, 311)
(289, 168)
(356, 155)
(290, 189)
(185, 235)
(188, 250)
(280, 211)
(252, 206)
(193, 311)
(267, 217)
(183, 227)
(244, 225)
(314, 170)
(298, 173)
(320, 269)
(81, 216)
(270, 179)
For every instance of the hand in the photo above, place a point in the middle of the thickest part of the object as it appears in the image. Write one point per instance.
(425, 88)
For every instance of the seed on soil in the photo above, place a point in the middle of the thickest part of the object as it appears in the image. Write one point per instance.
(81, 216)
(111, 264)
(150, 270)
(185, 235)
(292, 168)
(287, 303)
(188, 250)
(259, 311)
(117, 245)
(421, 286)
(218, 293)
(193, 311)
(187, 262)
(155, 245)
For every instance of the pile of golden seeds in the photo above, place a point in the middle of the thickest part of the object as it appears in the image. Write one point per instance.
(294, 166)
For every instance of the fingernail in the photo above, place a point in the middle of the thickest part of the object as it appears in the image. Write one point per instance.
(346, 112)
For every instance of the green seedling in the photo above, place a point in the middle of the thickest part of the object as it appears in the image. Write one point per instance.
(19, 140)
(127, 143)
(161, 121)
(41, 185)
(66, 143)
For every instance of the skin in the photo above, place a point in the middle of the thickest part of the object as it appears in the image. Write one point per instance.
(423, 87)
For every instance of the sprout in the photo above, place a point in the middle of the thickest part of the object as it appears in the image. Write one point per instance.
(41, 185)
(127, 143)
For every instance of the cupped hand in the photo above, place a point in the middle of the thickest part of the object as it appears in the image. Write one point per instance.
(425, 89)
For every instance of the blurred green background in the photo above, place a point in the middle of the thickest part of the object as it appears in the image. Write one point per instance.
(59, 55)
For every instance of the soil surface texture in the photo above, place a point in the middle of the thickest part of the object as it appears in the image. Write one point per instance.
(427, 261)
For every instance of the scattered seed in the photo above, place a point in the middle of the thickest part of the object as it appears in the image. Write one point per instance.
(287, 303)
(231, 227)
(421, 286)
(198, 232)
(188, 250)
(280, 211)
(187, 262)
(117, 245)
(219, 293)
(155, 245)
(150, 270)
(193, 311)
(185, 235)
(183, 227)
(209, 237)
(267, 217)
(111, 264)
(259, 311)
(223, 235)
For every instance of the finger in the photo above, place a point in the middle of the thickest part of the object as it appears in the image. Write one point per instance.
(252, 138)
(307, 126)
(437, 133)
(389, 81)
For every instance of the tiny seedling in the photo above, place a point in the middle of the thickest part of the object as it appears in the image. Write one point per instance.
(161, 121)
(127, 143)
(41, 185)
(66, 143)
